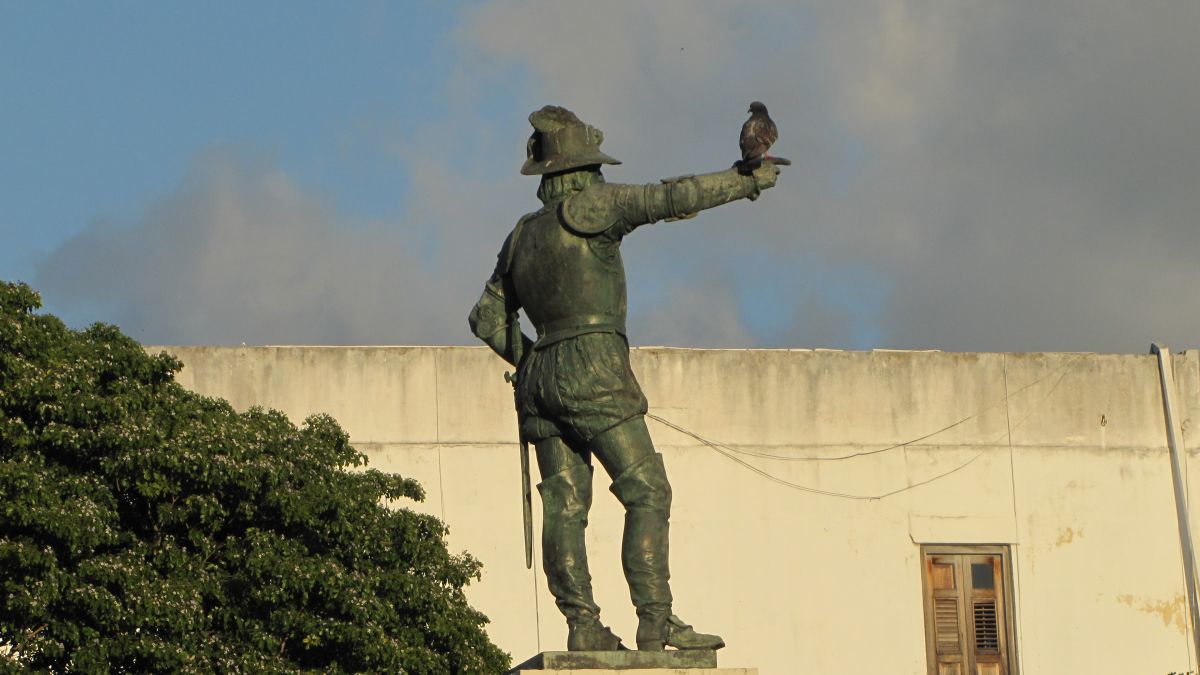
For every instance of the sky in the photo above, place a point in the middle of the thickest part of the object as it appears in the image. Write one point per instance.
(967, 175)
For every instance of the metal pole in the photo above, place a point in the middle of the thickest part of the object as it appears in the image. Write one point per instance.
(1167, 378)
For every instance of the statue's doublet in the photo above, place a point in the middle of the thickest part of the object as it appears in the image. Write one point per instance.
(571, 284)
(562, 264)
(561, 275)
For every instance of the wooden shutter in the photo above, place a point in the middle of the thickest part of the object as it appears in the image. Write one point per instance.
(984, 592)
(944, 581)
(966, 617)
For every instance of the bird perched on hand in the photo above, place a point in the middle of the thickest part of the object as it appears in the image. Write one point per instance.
(758, 133)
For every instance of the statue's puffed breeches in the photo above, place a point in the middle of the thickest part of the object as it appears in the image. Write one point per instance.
(578, 388)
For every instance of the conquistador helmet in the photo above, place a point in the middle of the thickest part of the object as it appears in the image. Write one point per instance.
(560, 142)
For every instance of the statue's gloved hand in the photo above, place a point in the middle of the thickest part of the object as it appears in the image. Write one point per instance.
(765, 175)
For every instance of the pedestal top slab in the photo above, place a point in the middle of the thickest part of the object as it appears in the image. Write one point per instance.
(622, 660)
(639, 671)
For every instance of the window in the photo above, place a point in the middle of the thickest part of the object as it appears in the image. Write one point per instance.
(968, 615)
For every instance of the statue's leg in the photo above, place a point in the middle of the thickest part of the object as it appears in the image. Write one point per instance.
(640, 483)
(566, 491)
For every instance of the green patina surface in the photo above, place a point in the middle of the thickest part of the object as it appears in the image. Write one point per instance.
(576, 396)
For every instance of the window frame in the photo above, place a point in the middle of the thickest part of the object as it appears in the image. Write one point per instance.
(1008, 599)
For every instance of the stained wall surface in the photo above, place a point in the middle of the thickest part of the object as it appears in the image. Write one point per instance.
(804, 490)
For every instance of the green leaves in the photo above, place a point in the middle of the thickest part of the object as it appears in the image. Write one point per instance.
(145, 528)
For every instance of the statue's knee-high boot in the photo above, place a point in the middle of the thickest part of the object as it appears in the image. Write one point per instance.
(646, 494)
(566, 499)
(644, 491)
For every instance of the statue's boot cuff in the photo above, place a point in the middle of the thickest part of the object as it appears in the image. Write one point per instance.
(655, 634)
(644, 485)
(592, 636)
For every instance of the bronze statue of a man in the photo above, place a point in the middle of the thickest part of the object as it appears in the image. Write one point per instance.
(576, 395)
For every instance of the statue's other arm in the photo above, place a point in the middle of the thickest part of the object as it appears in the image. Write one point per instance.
(490, 318)
(601, 206)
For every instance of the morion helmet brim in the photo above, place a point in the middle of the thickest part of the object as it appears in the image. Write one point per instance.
(564, 148)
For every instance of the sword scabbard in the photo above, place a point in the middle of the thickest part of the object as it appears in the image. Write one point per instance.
(527, 505)
(516, 347)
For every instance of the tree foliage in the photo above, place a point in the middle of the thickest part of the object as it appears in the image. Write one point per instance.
(146, 528)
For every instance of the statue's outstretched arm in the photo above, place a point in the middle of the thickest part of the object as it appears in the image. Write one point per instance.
(601, 206)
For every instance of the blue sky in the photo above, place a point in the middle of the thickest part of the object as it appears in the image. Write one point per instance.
(1000, 177)
(108, 102)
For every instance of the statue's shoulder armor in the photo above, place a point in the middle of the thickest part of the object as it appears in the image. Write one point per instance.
(593, 209)
(504, 264)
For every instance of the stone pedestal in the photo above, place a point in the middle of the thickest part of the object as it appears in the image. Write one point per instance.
(691, 662)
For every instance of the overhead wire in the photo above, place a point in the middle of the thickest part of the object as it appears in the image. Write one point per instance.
(729, 451)
(864, 453)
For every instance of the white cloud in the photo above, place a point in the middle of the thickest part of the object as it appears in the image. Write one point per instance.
(240, 253)
(996, 176)
(1018, 175)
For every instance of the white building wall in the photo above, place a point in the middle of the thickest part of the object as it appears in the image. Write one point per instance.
(1061, 456)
